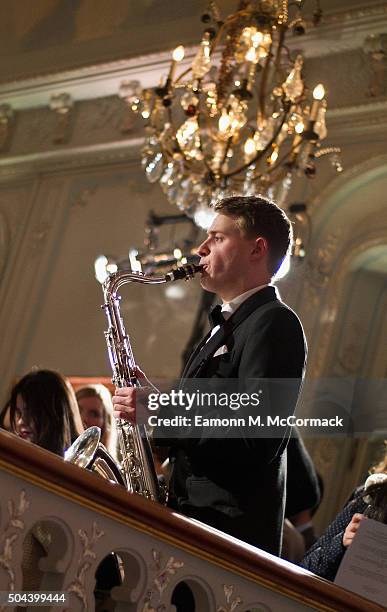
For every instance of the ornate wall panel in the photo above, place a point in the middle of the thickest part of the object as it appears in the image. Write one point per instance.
(341, 303)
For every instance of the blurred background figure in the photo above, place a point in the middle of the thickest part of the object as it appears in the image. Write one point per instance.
(44, 410)
(304, 493)
(368, 500)
(96, 409)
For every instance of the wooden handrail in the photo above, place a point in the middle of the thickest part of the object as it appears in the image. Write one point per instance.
(37, 465)
(81, 381)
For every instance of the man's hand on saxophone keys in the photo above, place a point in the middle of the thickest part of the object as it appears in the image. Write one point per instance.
(131, 403)
(124, 403)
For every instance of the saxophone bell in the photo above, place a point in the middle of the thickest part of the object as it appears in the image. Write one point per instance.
(89, 453)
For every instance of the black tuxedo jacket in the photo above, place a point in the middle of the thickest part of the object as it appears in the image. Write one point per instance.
(238, 484)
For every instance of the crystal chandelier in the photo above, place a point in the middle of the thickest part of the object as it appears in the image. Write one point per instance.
(239, 118)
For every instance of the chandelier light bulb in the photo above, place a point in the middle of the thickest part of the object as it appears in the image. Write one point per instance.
(224, 122)
(249, 147)
(273, 157)
(257, 39)
(178, 54)
(319, 92)
(318, 96)
(251, 55)
(299, 127)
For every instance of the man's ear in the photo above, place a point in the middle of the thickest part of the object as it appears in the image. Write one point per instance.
(260, 248)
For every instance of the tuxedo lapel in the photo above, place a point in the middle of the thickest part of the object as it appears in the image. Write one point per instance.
(204, 351)
(194, 353)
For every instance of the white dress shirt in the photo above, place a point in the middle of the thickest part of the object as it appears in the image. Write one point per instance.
(228, 308)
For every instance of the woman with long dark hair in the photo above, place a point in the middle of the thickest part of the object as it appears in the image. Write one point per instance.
(44, 410)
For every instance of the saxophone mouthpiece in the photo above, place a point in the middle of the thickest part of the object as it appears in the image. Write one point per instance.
(186, 272)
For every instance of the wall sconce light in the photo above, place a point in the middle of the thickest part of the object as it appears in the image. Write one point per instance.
(6, 123)
(62, 105)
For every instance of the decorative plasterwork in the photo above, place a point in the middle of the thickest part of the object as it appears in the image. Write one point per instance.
(85, 562)
(164, 572)
(343, 30)
(77, 157)
(372, 165)
(339, 32)
(343, 123)
(232, 602)
(318, 363)
(10, 533)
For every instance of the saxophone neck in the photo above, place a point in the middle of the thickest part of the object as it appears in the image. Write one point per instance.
(117, 279)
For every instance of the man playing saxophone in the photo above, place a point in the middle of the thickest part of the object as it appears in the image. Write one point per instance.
(237, 484)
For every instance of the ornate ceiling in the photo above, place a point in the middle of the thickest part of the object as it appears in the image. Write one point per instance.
(48, 36)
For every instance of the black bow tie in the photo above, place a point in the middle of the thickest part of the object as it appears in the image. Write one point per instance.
(215, 316)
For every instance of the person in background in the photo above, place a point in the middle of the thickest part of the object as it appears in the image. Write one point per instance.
(44, 410)
(369, 500)
(96, 408)
(303, 497)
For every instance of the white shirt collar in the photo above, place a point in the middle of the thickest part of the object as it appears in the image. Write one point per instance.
(228, 308)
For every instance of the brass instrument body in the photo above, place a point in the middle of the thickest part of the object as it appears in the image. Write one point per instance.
(88, 452)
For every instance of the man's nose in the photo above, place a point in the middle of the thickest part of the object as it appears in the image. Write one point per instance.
(203, 249)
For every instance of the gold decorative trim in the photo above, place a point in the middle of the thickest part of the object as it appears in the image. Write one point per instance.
(176, 542)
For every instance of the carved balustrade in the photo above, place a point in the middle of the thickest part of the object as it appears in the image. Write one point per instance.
(79, 518)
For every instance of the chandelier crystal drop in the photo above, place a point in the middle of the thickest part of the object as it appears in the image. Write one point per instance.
(239, 118)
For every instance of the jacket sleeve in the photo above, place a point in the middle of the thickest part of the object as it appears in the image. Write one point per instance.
(327, 553)
(272, 366)
(275, 348)
(303, 490)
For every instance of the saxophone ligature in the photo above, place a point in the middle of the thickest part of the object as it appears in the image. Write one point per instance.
(136, 471)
